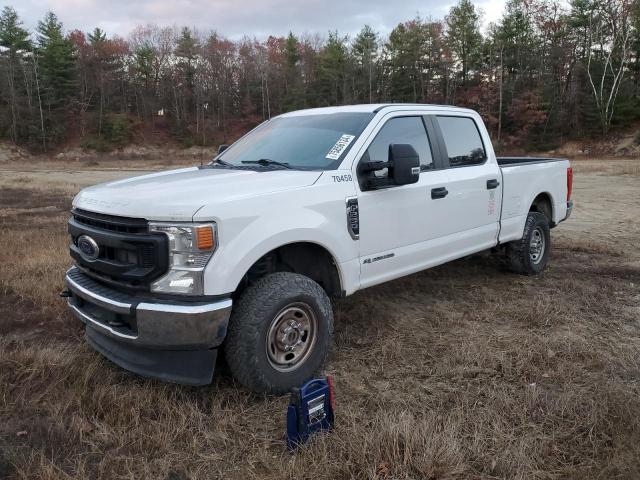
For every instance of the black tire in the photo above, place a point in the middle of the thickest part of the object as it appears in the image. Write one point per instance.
(266, 304)
(522, 255)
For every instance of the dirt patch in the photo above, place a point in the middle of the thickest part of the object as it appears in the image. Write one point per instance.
(29, 200)
(21, 318)
(19, 315)
(12, 153)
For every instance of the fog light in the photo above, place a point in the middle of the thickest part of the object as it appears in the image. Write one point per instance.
(179, 281)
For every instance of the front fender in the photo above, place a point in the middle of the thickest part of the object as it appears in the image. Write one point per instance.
(229, 265)
(275, 221)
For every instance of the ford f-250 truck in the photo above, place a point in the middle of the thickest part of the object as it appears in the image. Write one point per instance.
(242, 255)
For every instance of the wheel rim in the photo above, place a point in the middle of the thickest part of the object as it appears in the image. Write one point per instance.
(537, 245)
(291, 337)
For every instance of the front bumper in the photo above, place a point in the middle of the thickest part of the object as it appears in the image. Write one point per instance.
(170, 340)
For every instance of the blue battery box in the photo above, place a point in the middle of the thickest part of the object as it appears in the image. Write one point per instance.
(311, 410)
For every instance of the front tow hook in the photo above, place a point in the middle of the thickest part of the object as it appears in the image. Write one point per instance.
(65, 294)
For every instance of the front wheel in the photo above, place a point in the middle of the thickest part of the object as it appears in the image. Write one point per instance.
(530, 254)
(279, 334)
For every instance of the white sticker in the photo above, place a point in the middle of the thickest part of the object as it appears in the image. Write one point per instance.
(492, 203)
(342, 143)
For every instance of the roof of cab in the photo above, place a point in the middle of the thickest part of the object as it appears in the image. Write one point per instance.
(373, 108)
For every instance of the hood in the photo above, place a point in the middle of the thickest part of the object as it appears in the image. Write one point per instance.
(178, 194)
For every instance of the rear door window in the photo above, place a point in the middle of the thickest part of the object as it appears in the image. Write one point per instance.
(462, 141)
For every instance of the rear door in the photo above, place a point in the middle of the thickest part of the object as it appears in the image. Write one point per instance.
(473, 185)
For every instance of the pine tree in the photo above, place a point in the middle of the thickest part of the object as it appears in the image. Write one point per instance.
(57, 74)
(55, 61)
(293, 89)
(97, 36)
(464, 37)
(407, 55)
(14, 41)
(186, 52)
(365, 52)
(12, 36)
(331, 81)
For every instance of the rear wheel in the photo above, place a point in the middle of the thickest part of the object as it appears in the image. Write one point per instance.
(530, 254)
(280, 333)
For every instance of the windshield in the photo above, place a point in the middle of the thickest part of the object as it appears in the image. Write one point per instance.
(303, 142)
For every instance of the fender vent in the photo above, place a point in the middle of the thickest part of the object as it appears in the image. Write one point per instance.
(353, 218)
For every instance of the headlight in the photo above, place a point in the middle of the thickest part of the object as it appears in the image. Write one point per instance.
(191, 245)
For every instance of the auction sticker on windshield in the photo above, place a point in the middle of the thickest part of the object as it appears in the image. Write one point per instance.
(342, 143)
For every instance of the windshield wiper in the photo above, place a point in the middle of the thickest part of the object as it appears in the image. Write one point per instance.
(267, 162)
(222, 162)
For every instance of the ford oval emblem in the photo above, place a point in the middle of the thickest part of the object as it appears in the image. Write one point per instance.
(88, 247)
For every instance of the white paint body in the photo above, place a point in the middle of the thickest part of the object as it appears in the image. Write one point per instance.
(258, 211)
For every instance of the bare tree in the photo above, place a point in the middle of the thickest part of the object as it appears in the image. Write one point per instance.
(608, 51)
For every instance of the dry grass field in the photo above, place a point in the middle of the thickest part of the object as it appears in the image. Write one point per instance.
(462, 371)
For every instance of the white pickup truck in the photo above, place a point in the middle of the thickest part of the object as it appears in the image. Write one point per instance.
(243, 254)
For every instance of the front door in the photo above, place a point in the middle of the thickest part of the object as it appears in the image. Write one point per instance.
(398, 223)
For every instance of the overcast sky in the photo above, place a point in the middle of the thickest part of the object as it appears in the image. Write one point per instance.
(236, 18)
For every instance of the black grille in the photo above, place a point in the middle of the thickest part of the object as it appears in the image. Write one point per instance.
(129, 256)
(110, 222)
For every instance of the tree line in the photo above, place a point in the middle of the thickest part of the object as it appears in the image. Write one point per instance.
(543, 73)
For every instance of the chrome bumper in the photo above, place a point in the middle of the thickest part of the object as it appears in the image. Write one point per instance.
(152, 324)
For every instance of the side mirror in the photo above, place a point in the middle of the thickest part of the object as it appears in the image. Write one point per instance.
(222, 148)
(404, 164)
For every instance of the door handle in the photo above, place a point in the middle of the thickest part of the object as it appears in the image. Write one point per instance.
(493, 183)
(439, 192)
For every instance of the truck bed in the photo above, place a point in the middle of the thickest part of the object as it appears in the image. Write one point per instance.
(523, 178)
(513, 161)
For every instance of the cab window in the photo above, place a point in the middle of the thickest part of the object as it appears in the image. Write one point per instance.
(462, 140)
(408, 130)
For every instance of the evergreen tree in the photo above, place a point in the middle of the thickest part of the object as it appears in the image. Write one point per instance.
(332, 79)
(464, 37)
(14, 41)
(13, 37)
(97, 36)
(406, 57)
(520, 42)
(365, 52)
(519, 46)
(187, 49)
(56, 70)
(293, 89)
(143, 65)
(56, 65)
(186, 52)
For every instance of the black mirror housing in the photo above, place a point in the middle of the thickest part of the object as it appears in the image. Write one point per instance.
(222, 148)
(404, 164)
